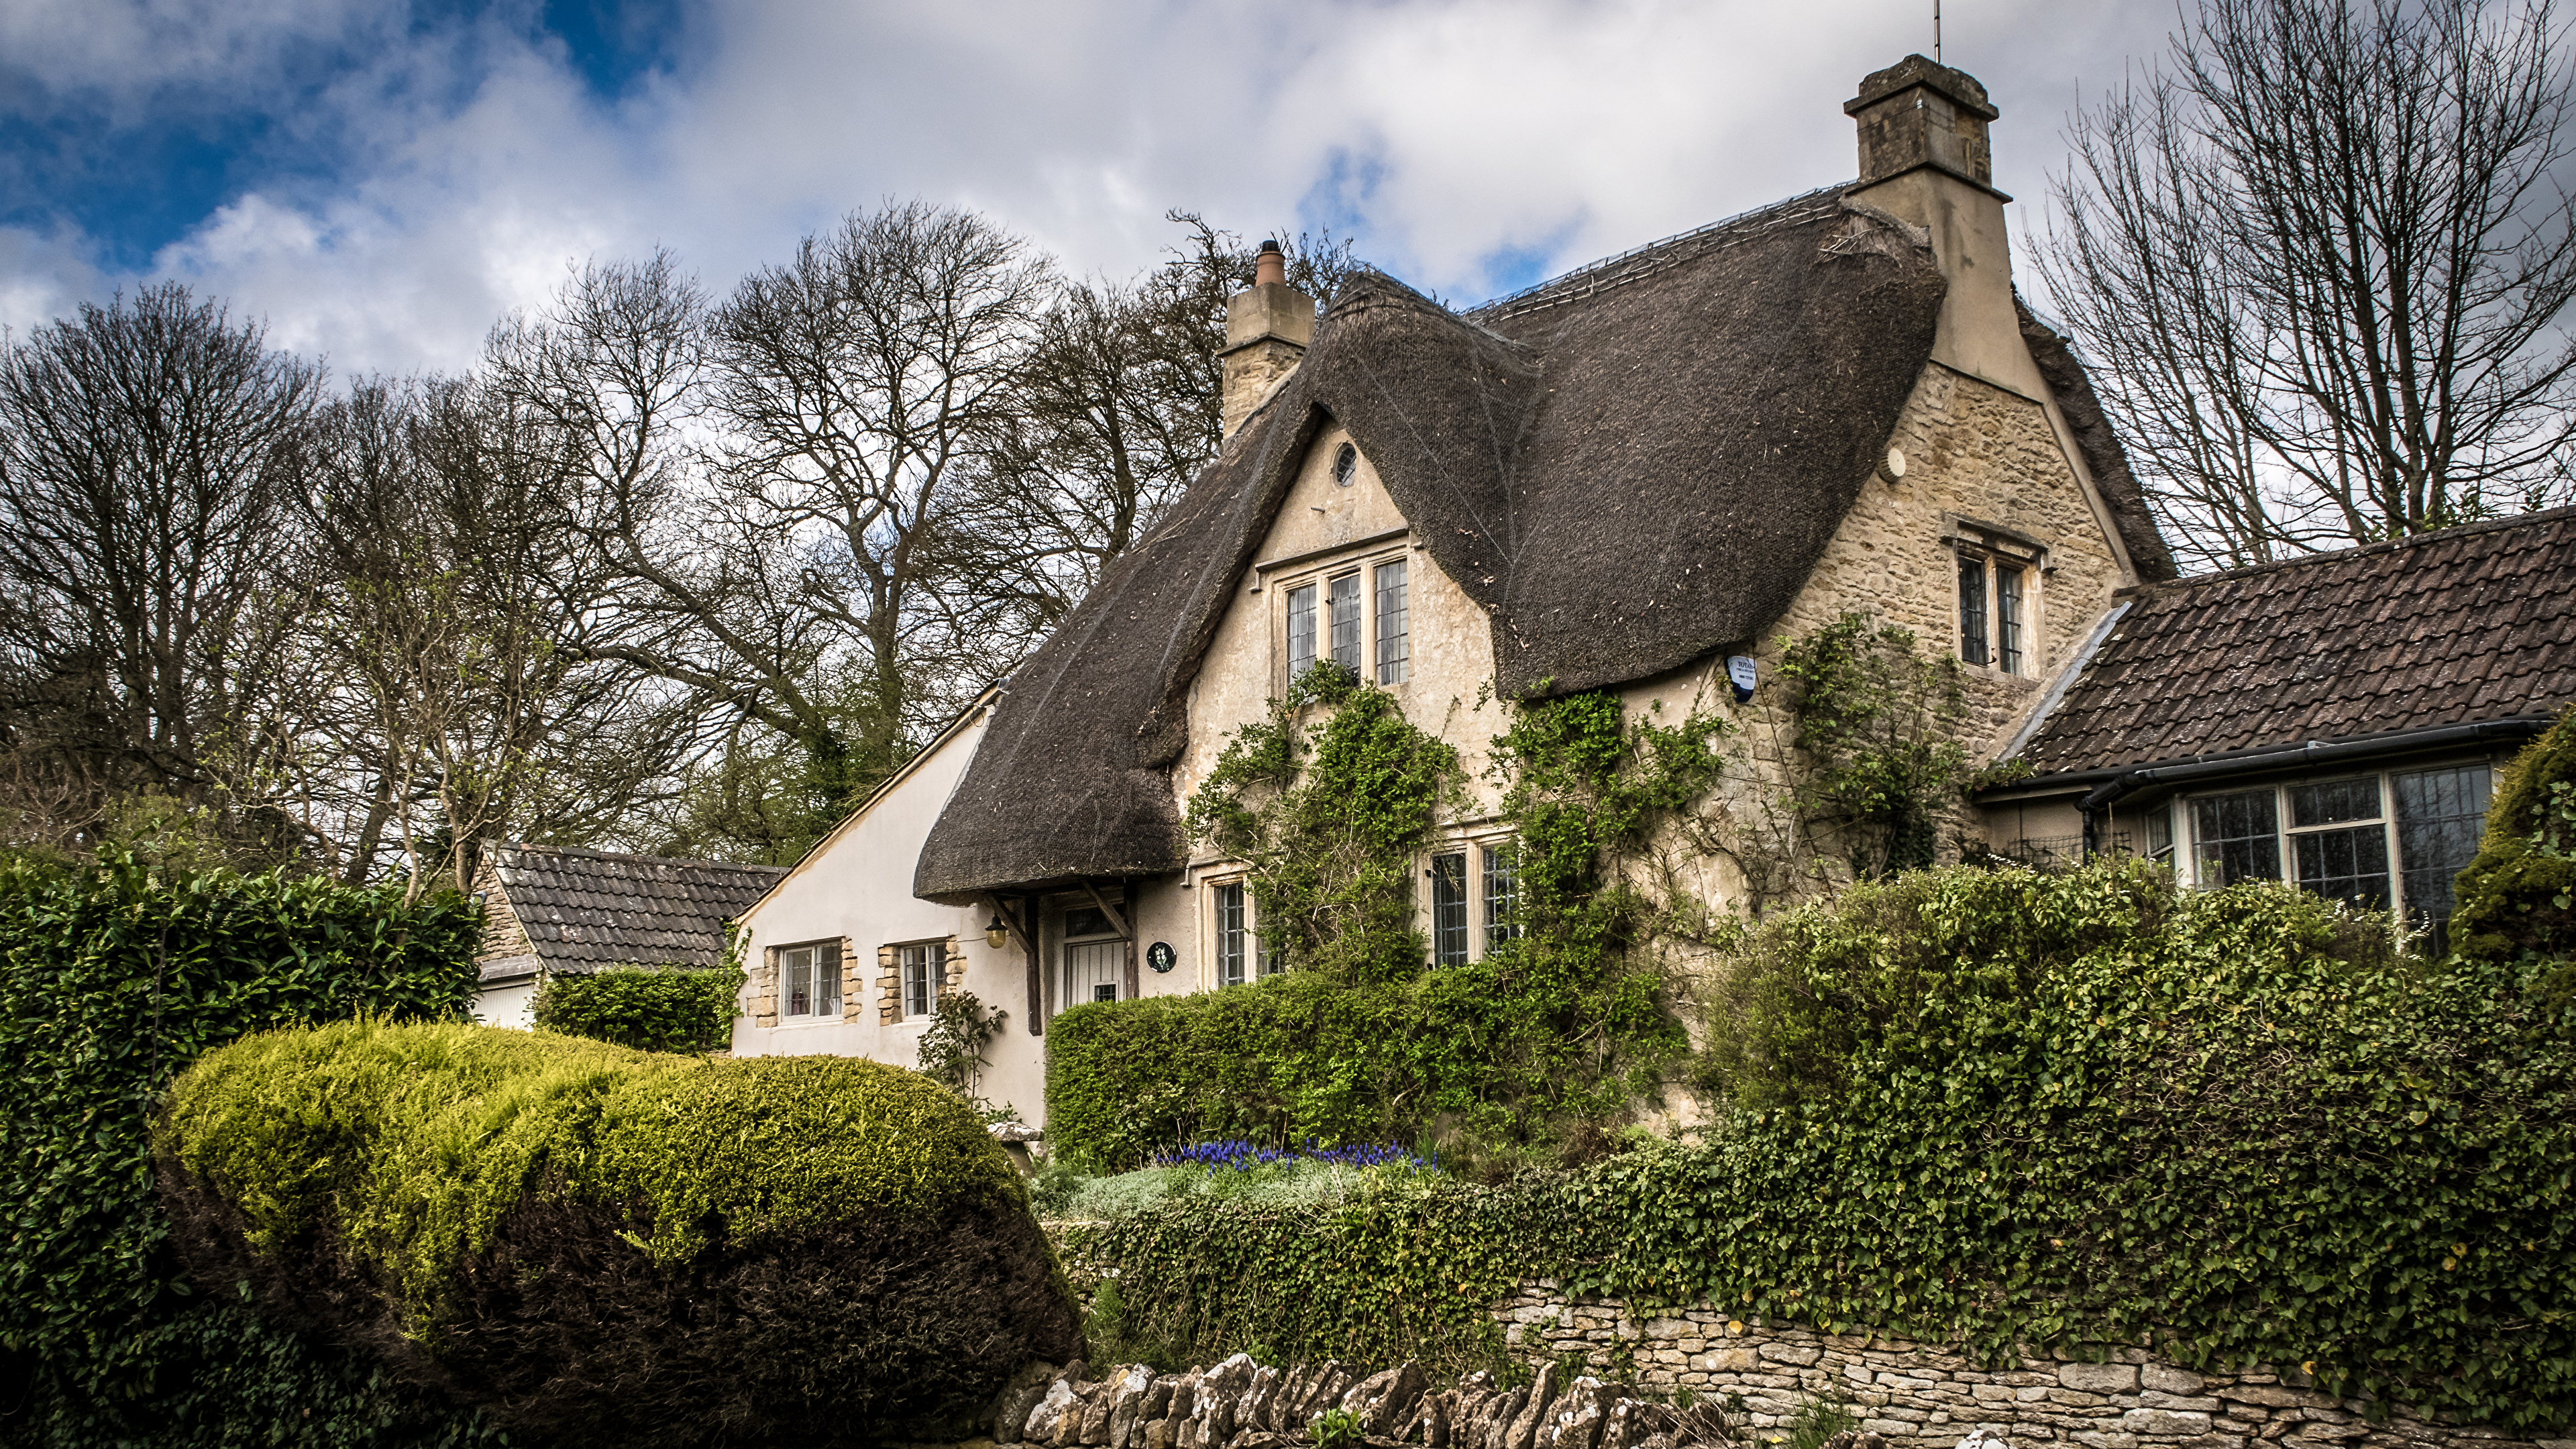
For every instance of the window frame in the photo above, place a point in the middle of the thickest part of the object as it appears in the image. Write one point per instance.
(1444, 952)
(1393, 651)
(934, 982)
(2182, 823)
(779, 966)
(1246, 948)
(2004, 636)
(1307, 594)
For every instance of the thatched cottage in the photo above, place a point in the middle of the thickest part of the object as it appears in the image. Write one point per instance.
(1617, 480)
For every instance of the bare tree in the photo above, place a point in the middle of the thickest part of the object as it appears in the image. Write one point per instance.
(454, 597)
(856, 384)
(2323, 264)
(152, 452)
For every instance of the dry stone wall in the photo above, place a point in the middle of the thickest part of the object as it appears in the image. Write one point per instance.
(1918, 1396)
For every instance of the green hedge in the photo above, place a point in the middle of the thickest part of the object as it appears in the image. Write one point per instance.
(113, 978)
(2516, 896)
(1486, 1050)
(649, 1008)
(602, 1243)
(2010, 1107)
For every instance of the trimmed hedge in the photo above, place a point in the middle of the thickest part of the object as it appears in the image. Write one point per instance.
(1484, 1047)
(113, 978)
(603, 1244)
(650, 1008)
(2005, 1107)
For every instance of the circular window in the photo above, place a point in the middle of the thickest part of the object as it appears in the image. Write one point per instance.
(1345, 463)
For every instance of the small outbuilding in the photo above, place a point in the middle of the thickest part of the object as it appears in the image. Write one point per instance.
(551, 910)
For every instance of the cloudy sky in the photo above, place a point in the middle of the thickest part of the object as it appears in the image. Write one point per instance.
(381, 180)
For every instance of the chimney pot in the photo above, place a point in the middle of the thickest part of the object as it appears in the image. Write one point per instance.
(1270, 268)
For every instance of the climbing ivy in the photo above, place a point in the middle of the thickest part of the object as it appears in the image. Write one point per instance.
(1330, 833)
(1879, 724)
(1554, 1031)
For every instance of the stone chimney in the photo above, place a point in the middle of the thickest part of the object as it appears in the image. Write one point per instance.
(1920, 112)
(1268, 326)
(1924, 158)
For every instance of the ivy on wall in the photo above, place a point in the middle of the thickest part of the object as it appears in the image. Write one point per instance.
(1879, 724)
(1329, 833)
(2004, 1107)
(1562, 1025)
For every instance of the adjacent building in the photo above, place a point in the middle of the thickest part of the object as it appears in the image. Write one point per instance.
(551, 910)
(2334, 720)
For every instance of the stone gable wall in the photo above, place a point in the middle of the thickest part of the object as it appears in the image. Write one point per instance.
(1919, 1396)
(1976, 451)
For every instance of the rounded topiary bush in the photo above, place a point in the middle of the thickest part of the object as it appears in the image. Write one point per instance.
(602, 1245)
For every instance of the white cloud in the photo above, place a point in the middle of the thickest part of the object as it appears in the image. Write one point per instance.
(1461, 130)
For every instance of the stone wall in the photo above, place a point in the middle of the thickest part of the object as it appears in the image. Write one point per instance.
(1917, 1396)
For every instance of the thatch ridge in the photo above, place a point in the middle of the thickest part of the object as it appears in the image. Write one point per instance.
(1627, 479)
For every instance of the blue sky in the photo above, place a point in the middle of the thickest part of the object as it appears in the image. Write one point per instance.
(381, 181)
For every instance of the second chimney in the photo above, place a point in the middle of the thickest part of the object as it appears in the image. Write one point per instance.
(1268, 327)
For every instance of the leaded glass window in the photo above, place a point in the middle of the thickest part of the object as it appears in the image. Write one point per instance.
(1394, 649)
(1449, 909)
(2236, 837)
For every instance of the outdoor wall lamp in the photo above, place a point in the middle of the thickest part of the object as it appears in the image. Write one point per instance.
(997, 935)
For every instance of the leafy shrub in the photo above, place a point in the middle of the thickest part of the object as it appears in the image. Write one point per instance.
(2520, 893)
(638, 1248)
(654, 1009)
(1478, 1049)
(113, 978)
(2008, 1108)
(1557, 1027)
(951, 1051)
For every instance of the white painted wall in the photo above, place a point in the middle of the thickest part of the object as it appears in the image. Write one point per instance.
(858, 886)
(507, 1003)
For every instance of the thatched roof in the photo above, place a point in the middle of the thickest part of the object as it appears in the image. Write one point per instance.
(1630, 467)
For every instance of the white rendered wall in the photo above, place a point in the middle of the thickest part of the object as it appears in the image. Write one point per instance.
(509, 1005)
(857, 887)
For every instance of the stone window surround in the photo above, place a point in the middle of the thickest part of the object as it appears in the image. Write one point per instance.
(1992, 544)
(1282, 576)
(1473, 842)
(952, 976)
(767, 987)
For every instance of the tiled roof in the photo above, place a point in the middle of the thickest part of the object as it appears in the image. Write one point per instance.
(585, 909)
(2462, 626)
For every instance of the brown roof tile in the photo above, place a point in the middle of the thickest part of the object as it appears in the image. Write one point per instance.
(585, 909)
(2455, 627)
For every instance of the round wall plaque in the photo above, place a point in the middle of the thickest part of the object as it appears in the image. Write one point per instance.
(1159, 956)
